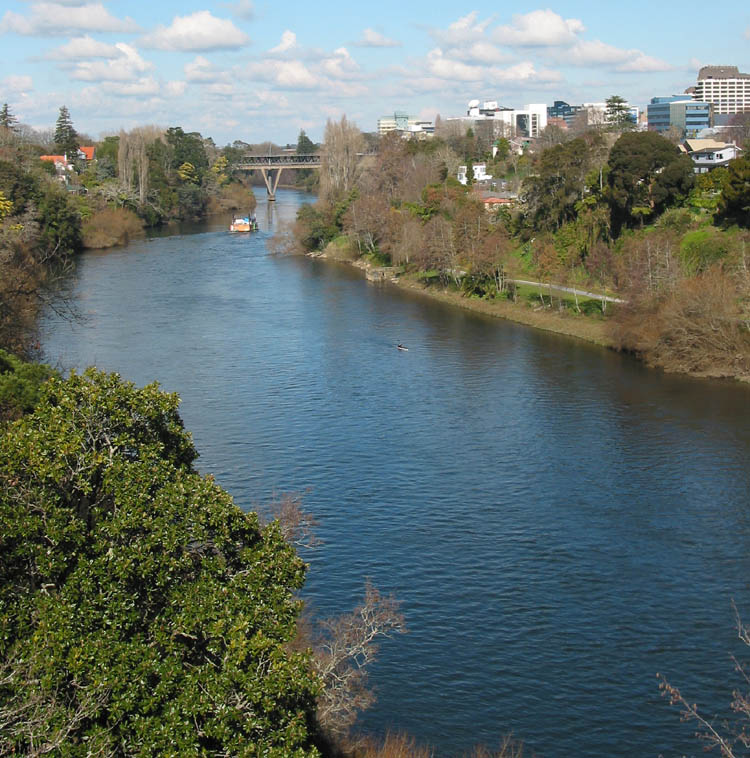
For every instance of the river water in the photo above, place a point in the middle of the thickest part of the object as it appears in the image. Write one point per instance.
(559, 522)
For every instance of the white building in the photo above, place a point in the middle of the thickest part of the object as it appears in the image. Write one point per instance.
(725, 87)
(480, 173)
(508, 122)
(708, 154)
(406, 124)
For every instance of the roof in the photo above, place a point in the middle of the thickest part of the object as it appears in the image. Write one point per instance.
(53, 158)
(699, 145)
(721, 72)
(88, 151)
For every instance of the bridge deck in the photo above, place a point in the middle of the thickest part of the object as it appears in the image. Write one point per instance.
(279, 161)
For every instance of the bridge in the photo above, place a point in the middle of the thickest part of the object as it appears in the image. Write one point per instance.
(271, 166)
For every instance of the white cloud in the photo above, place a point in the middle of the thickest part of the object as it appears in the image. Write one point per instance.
(541, 28)
(448, 68)
(201, 70)
(340, 65)
(81, 48)
(144, 86)
(175, 88)
(479, 52)
(294, 74)
(288, 42)
(126, 67)
(200, 31)
(593, 53)
(371, 38)
(465, 29)
(643, 64)
(58, 20)
(16, 84)
(525, 73)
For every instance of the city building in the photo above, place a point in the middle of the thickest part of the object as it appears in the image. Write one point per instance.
(708, 154)
(681, 112)
(725, 88)
(562, 110)
(405, 124)
(500, 121)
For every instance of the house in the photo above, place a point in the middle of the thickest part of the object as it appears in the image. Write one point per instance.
(480, 174)
(493, 201)
(708, 154)
(87, 152)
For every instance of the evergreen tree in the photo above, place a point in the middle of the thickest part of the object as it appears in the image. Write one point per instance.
(618, 113)
(7, 119)
(734, 204)
(66, 137)
(305, 146)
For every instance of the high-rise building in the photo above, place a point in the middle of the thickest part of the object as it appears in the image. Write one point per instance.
(679, 111)
(506, 122)
(725, 88)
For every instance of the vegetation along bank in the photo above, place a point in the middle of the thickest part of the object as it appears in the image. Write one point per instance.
(615, 213)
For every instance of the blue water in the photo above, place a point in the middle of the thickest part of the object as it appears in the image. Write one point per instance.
(559, 522)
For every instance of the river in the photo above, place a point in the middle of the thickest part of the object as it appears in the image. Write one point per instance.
(559, 522)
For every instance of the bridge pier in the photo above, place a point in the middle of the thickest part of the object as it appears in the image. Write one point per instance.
(271, 178)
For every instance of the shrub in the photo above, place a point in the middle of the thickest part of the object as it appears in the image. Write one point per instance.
(109, 227)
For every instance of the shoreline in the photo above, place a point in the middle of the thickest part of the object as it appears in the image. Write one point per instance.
(583, 328)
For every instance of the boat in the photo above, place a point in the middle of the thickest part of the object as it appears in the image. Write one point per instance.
(401, 347)
(243, 224)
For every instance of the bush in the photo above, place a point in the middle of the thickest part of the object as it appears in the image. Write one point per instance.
(109, 226)
(700, 249)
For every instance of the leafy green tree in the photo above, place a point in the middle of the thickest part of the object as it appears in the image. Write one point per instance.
(557, 185)
(734, 205)
(20, 385)
(187, 173)
(141, 612)
(187, 148)
(7, 119)
(647, 173)
(61, 224)
(66, 137)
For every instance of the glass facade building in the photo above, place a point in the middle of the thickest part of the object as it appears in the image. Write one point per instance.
(680, 111)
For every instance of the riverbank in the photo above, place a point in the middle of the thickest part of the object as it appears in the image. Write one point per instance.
(590, 329)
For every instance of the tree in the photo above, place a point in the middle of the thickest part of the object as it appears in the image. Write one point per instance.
(305, 146)
(340, 162)
(7, 119)
(618, 113)
(734, 204)
(642, 178)
(66, 137)
(141, 611)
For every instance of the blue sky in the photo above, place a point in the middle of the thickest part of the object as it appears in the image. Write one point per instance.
(259, 69)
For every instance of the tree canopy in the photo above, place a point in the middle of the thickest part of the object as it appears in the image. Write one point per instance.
(647, 174)
(141, 612)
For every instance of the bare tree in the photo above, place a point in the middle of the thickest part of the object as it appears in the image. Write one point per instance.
(339, 162)
(344, 648)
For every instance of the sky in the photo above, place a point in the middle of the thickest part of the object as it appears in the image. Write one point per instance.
(258, 70)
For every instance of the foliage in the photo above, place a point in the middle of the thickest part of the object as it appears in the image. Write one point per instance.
(109, 226)
(6, 206)
(305, 146)
(701, 248)
(552, 192)
(61, 228)
(618, 113)
(66, 137)
(141, 612)
(20, 385)
(734, 205)
(187, 173)
(646, 175)
(7, 119)
(187, 148)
